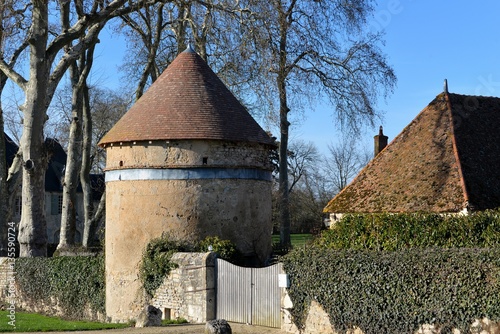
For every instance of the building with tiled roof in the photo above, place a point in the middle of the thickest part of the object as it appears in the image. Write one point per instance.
(187, 161)
(447, 160)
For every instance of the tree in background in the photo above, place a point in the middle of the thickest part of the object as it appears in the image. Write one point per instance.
(217, 30)
(315, 178)
(305, 181)
(101, 109)
(314, 49)
(344, 162)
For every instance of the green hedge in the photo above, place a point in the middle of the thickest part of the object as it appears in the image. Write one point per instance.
(414, 230)
(396, 292)
(76, 282)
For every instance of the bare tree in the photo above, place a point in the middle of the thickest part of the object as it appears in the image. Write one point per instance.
(79, 71)
(310, 189)
(217, 30)
(51, 52)
(314, 49)
(304, 178)
(149, 26)
(302, 159)
(344, 162)
(104, 108)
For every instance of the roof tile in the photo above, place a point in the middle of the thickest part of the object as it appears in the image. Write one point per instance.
(446, 159)
(188, 101)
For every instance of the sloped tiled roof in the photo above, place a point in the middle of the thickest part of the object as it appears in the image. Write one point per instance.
(445, 160)
(188, 101)
(55, 169)
(10, 149)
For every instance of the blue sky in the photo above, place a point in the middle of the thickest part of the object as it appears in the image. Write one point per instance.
(427, 41)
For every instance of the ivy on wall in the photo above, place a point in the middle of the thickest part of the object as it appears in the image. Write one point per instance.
(396, 292)
(76, 282)
(156, 262)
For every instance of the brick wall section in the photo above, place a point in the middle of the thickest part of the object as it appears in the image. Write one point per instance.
(189, 291)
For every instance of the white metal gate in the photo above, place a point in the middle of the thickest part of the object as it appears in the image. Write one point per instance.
(248, 295)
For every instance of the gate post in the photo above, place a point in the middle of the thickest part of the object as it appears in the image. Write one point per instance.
(189, 290)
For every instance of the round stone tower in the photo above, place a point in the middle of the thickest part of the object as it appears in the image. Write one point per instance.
(188, 160)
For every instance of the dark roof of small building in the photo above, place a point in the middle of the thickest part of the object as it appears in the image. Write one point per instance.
(187, 101)
(445, 160)
(55, 169)
(10, 149)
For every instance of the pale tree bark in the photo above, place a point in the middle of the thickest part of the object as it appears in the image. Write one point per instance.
(44, 76)
(78, 71)
(33, 226)
(149, 25)
(106, 109)
(88, 204)
(5, 211)
(73, 159)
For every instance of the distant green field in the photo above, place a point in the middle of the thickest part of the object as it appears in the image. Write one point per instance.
(31, 322)
(298, 240)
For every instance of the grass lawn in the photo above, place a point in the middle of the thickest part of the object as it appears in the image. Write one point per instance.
(298, 240)
(31, 322)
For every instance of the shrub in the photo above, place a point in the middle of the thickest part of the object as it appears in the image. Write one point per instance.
(225, 249)
(395, 292)
(413, 230)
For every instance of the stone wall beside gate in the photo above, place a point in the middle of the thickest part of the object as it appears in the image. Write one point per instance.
(189, 290)
(203, 288)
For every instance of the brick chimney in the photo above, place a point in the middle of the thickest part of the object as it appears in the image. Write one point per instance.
(380, 141)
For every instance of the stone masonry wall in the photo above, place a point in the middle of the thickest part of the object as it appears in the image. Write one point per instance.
(318, 322)
(189, 291)
(191, 153)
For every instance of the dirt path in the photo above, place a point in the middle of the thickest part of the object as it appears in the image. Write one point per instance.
(182, 329)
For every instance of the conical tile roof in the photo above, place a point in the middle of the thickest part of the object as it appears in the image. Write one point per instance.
(447, 159)
(188, 101)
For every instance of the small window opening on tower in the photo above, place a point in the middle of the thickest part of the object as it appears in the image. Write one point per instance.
(121, 163)
(167, 314)
(205, 160)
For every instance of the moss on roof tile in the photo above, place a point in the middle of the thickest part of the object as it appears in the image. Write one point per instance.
(446, 159)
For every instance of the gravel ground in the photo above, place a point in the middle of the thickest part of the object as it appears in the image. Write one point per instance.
(182, 329)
